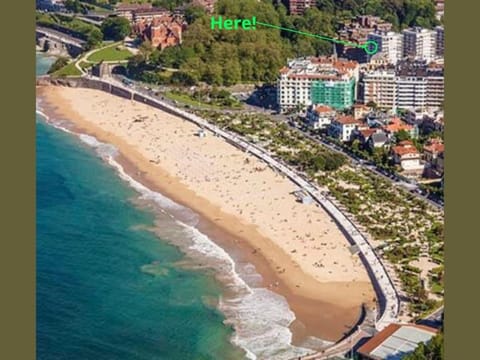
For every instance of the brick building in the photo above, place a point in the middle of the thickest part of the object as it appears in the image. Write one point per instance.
(162, 30)
(298, 7)
(209, 5)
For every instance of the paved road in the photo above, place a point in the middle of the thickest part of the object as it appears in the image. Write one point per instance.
(83, 18)
(435, 319)
(62, 37)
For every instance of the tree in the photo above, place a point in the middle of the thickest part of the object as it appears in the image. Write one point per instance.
(402, 135)
(146, 50)
(193, 12)
(58, 64)
(116, 28)
(73, 6)
(433, 350)
(94, 38)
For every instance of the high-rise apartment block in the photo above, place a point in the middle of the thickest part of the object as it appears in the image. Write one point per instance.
(412, 85)
(326, 81)
(440, 40)
(419, 43)
(390, 45)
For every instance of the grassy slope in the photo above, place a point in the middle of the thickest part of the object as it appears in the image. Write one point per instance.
(110, 54)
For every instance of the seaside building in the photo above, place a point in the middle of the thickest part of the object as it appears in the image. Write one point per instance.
(324, 80)
(319, 117)
(433, 149)
(419, 43)
(394, 125)
(162, 28)
(162, 31)
(419, 86)
(357, 31)
(395, 341)
(360, 111)
(390, 45)
(412, 85)
(127, 10)
(440, 41)
(379, 87)
(408, 157)
(371, 138)
(298, 7)
(343, 127)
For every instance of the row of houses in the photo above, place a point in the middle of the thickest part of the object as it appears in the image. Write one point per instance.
(379, 131)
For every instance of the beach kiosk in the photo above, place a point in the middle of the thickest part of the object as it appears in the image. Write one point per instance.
(201, 133)
(303, 197)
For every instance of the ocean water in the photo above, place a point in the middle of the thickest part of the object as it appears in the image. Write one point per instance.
(122, 272)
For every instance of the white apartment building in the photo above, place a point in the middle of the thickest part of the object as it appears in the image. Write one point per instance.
(343, 127)
(379, 87)
(440, 40)
(319, 117)
(411, 86)
(294, 85)
(419, 43)
(390, 45)
(411, 92)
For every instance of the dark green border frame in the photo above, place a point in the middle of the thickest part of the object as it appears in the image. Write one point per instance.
(17, 265)
(461, 185)
(17, 99)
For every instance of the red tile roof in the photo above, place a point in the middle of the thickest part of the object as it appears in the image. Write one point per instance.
(435, 146)
(396, 124)
(405, 149)
(378, 339)
(321, 109)
(367, 133)
(347, 120)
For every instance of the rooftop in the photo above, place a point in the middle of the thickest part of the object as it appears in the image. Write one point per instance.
(435, 146)
(322, 109)
(405, 148)
(396, 340)
(347, 119)
(396, 124)
(418, 68)
(319, 67)
(132, 7)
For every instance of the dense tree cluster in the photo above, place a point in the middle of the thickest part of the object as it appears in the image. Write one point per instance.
(401, 13)
(116, 28)
(58, 64)
(433, 350)
(222, 57)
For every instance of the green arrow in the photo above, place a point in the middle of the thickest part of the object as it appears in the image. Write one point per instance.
(370, 46)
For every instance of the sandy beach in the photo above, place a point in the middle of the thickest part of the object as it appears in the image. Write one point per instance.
(298, 248)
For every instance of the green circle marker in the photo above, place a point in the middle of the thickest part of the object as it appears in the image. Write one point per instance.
(370, 47)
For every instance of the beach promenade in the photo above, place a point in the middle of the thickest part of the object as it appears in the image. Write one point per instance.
(386, 293)
(388, 302)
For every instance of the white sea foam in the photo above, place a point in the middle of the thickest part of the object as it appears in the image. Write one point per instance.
(260, 317)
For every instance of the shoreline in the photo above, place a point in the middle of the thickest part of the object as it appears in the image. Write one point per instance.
(322, 309)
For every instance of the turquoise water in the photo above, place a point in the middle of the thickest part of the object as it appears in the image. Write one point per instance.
(107, 286)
